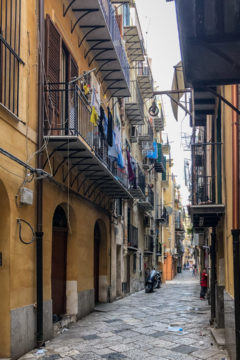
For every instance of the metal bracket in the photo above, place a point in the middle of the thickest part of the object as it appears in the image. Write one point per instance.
(87, 12)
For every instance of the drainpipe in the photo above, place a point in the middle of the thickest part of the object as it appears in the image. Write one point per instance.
(39, 233)
(235, 160)
(236, 230)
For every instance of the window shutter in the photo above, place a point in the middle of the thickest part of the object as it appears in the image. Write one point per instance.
(52, 61)
(119, 19)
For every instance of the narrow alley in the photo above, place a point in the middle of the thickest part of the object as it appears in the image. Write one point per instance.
(141, 326)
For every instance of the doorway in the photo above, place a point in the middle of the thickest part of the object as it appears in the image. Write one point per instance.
(97, 239)
(59, 262)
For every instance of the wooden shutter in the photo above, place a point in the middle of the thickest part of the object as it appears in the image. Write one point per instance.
(52, 65)
(119, 19)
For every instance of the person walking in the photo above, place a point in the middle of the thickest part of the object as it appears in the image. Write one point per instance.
(203, 284)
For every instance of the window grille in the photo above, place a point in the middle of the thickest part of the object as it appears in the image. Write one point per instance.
(10, 34)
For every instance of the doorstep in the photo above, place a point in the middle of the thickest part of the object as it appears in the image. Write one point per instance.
(219, 336)
(62, 324)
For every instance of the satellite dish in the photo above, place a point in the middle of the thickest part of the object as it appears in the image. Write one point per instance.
(169, 210)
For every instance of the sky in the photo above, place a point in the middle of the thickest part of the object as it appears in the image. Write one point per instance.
(159, 27)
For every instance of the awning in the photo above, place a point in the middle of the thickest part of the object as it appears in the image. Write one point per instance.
(177, 84)
(85, 161)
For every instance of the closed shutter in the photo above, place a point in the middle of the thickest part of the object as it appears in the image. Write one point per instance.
(119, 19)
(52, 61)
(73, 99)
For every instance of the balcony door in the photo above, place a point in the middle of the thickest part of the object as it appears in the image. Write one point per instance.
(62, 104)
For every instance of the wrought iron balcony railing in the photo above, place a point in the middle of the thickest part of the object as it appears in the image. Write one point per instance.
(109, 14)
(133, 236)
(134, 105)
(68, 113)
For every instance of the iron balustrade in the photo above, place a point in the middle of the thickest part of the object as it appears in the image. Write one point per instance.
(68, 113)
(133, 236)
(146, 130)
(10, 34)
(136, 96)
(109, 15)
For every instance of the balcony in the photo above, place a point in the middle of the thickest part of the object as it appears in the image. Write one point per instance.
(137, 187)
(145, 79)
(148, 244)
(145, 133)
(158, 124)
(132, 238)
(205, 211)
(97, 22)
(159, 162)
(209, 41)
(162, 216)
(134, 105)
(69, 132)
(134, 38)
(147, 204)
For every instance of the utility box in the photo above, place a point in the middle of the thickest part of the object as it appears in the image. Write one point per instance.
(26, 196)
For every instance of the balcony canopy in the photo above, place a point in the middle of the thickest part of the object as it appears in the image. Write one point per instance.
(96, 19)
(206, 215)
(86, 162)
(209, 41)
(134, 43)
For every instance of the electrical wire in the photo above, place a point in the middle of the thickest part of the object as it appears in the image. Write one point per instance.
(19, 221)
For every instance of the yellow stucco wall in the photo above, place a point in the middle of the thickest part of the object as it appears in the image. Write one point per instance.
(227, 189)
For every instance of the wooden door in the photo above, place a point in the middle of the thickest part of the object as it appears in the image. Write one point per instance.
(97, 237)
(59, 259)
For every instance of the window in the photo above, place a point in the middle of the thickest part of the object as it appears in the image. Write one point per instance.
(10, 34)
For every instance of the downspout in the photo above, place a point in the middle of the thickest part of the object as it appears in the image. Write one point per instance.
(39, 232)
(235, 210)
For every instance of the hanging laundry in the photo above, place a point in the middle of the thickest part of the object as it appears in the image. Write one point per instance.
(101, 123)
(112, 151)
(120, 160)
(153, 154)
(94, 116)
(95, 98)
(110, 128)
(105, 125)
(130, 170)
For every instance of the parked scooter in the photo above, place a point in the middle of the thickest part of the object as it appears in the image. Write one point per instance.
(153, 281)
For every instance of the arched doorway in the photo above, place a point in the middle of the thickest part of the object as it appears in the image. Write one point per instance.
(4, 273)
(97, 239)
(59, 262)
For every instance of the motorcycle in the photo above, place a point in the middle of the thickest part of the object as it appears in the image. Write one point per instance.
(153, 281)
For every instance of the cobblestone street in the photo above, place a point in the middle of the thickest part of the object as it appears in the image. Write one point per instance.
(141, 326)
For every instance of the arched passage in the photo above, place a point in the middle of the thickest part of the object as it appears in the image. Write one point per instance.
(59, 261)
(4, 273)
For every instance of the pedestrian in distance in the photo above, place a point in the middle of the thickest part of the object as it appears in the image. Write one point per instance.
(203, 284)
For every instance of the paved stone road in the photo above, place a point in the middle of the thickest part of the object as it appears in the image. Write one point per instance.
(137, 327)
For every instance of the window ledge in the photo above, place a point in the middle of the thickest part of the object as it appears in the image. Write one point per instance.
(11, 115)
